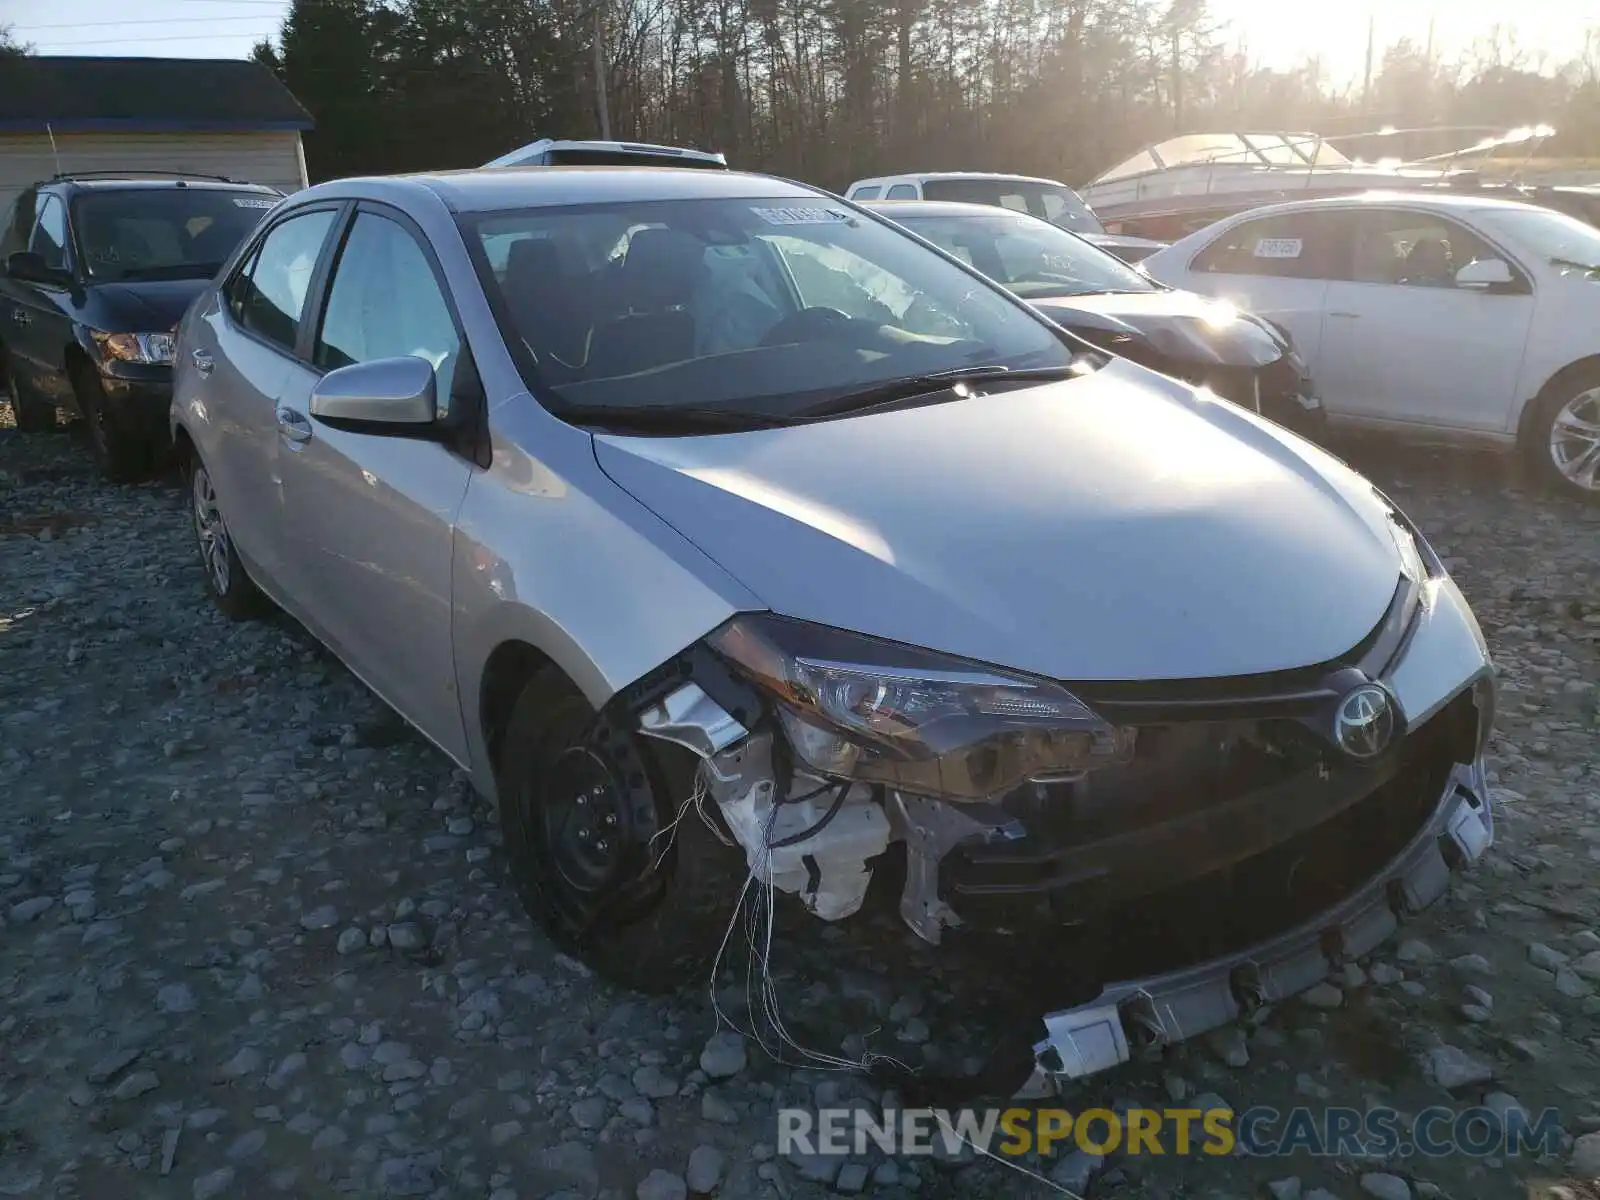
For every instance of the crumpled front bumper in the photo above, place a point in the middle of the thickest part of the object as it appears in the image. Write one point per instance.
(1133, 1015)
(1443, 656)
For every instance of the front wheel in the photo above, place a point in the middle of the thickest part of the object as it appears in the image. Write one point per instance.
(122, 455)
(1564, 435)
(588, 812)
(232, 590)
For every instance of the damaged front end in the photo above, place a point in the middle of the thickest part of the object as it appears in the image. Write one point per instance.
(1183, 852)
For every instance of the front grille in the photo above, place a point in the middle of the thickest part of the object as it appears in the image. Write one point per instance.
(1223, 836)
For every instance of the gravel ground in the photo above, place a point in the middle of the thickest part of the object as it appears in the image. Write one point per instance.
(256, 938)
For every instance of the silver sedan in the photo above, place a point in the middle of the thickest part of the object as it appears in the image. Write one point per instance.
(729, 537)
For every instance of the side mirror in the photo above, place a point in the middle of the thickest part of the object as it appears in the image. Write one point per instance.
(1485, 273)
(387, 395)
(28, 267)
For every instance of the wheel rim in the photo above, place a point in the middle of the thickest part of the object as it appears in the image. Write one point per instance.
(1575, 440)
(580, 814)
(211, 531)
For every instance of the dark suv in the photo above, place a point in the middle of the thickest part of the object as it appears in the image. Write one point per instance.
(95, 273)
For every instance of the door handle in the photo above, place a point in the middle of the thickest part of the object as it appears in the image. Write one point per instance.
(1349, 316)
(295, 426)
(202, 362)
(21, 317)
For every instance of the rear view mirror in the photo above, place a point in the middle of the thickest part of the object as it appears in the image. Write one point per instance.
(387, 395)
(1485, 273)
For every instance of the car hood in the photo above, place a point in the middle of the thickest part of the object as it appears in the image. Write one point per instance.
(1113, 527)
(1125, 246)
(150, 306)
(1181, 326)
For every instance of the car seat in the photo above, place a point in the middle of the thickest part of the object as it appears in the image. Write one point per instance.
(657, 281)
(1428, 263)
(547, 304)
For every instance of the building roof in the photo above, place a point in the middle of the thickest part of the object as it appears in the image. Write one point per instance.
(143, 95)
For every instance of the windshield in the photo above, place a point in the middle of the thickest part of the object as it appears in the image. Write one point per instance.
(1030, 257)
(763, 306)
(1552, 236)
(164, 233)
(1052, 202)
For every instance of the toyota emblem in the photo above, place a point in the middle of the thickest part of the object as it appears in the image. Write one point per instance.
(1364, 723)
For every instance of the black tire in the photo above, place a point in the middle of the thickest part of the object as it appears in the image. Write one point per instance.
(227, 582)
(32, 414)
(645, 911)
(122, 455)
(1570, 398)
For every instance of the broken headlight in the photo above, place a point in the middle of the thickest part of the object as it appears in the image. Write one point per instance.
(855, 707)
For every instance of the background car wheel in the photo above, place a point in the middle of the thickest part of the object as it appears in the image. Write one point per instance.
(581, 805)
(121, 455)
(1563, 439)
(234, 592)
(31, 414)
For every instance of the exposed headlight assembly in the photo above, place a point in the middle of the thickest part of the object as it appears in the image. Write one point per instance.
(148, 348)
(855, 707)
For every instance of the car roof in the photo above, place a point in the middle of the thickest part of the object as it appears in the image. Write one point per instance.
(497, 189)
(642, 149)
(935, 176)
(137, 184)
(1419, 198)
(945, 208)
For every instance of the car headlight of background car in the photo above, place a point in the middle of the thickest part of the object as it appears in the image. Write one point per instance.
(855, 707)
(149, 348)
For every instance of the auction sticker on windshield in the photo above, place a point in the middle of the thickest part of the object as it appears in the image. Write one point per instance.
(241, 202)
(1279, 248)
(801, 216)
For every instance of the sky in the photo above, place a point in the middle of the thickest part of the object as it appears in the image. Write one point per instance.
(1274, 33)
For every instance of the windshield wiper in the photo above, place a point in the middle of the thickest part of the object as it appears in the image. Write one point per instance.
(662, 419)
(936, 381)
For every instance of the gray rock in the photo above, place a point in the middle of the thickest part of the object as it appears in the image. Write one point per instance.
(108, 1066)
(852, 1178)
(323, 917)
(1385, 1187)
(1229, 1045)
(350, 941)
(247, 1060)
(1588, 967)
(213, 1183)
(724, 1055)
(1545, 958)
(1472, 964)
(651, 1082)
(1451, 1067)
(1323, 995)
(1285, 1189)
(1384, 974)
(135, 1085)
(1076, 1169)
(705, 1169)
(1570, 984)
(248, 1145)
(175, 998)
(1585, 1160)
(1415, 950)
(31, 909)
(661, 1185)
(406, 936)
(589, 1113)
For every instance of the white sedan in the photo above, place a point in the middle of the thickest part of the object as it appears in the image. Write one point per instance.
(1453, 317)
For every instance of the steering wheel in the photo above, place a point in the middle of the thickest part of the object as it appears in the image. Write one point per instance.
(813, 324)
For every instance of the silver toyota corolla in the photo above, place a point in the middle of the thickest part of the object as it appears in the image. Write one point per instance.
(646, 491)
